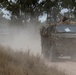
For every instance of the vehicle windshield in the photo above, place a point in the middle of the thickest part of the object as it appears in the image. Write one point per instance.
(66, 28)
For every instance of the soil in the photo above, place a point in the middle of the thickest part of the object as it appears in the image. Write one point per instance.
(68, 67)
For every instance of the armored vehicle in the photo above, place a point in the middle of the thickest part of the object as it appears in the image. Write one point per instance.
(59, 42)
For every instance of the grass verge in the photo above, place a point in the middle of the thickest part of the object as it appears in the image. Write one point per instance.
(19, 63)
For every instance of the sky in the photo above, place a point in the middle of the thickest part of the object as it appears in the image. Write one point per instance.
(6, 14)
(64, 11)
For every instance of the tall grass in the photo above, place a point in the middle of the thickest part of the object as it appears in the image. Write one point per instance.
(19, 63)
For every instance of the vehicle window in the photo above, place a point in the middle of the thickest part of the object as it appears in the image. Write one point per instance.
(66, 28)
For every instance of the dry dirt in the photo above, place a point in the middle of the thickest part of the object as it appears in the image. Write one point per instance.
(68, 67)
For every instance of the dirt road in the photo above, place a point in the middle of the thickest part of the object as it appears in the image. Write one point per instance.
(68, 67)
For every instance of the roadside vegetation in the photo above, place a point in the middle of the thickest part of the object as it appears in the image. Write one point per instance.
(19, 63)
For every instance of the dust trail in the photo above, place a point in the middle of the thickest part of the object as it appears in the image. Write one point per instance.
(21, 37)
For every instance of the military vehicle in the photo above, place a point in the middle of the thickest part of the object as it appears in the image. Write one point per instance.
(59, 42)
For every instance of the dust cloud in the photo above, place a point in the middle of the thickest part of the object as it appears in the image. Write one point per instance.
(25, 37)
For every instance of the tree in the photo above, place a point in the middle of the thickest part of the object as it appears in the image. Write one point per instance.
(32, 9)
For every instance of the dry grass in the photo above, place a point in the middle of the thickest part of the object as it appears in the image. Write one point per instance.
(19, 63)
